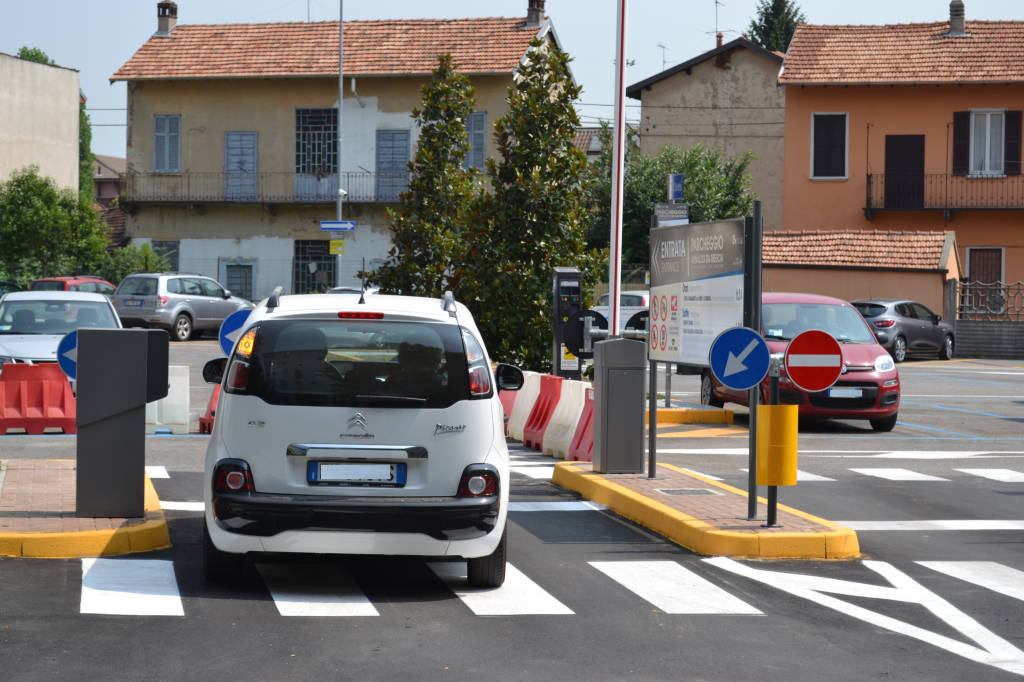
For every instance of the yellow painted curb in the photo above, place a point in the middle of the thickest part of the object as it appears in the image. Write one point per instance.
(147, 536)
(692, 415)
(836, 543)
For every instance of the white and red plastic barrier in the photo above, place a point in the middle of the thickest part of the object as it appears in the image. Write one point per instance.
(550, 415)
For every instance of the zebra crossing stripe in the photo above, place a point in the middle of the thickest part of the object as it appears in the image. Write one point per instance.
(130, 587)
(519, 596)
(182, 506)
(574, 505)
(898, 475)
(314, 590)
(155, 471)
(1004, 475)
(942, 524)
(987, 574)
(672, 588)
(536, 472)
(803, 476)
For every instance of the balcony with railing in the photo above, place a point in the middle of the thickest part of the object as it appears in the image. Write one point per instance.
(942, 192)
(264, 187)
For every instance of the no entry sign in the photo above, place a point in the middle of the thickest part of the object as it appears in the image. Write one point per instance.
(814, 360)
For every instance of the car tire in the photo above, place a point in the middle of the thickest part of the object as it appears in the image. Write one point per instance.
(884, 423)
(489, 571)
(182, 329)
(707, 391)
(218, 566)
(899, 349)
(946, 352)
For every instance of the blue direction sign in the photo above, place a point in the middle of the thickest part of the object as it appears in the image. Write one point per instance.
(67, 354)
(231, 329)
(739, 358)
(337, 225)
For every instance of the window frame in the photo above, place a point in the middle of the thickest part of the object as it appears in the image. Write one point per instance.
(972, 172)
(163, 139)
(473, 149)
(846, 147)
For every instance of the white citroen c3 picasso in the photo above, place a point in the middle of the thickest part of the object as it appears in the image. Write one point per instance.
(358, 425)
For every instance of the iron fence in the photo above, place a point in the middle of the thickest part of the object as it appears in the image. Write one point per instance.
(943, 191)
(990, 301)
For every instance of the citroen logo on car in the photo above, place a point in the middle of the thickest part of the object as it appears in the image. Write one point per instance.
(357, 420)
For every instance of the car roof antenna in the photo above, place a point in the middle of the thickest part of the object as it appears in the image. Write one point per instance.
(362, 291)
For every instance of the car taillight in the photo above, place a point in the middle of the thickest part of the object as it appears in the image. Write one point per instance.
(238, 375)
(884, 323)
(478, 483)
(163, 299)
(479, 380)
(480, 372)
(360, 316)
(233, 476)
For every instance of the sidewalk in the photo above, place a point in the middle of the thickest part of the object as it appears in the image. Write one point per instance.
(37, 515)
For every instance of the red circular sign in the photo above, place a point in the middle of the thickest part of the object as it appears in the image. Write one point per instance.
(664, 336)
(654, 337)
(814, 360)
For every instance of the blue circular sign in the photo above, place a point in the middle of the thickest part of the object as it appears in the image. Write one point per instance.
(739, 358)
(67, 354)
(231, 329)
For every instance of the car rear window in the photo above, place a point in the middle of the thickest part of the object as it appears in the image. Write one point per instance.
(783, 321)
(137, 286)
(353, 363)
(48, 286)
(869, 309)
(54, 316)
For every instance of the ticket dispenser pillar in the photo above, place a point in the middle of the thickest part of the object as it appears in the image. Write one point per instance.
(567, 300)
(119, 371)
(619, 366)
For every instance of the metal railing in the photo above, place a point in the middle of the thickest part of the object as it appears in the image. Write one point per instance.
(278, 187)
(990, 301)
(943, 191)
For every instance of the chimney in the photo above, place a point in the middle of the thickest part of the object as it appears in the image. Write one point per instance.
(719, 36)
(956, 18)
(166, 17)
(534, 13)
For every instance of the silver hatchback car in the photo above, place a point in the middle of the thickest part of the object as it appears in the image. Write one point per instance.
(184, 304)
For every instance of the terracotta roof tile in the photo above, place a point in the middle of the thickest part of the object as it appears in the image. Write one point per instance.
(894, 249)
(377, 47)
(990, 52)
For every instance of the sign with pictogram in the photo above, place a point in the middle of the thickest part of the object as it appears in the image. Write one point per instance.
(814, 360)
(231, 329)
(739, 358)
(67, 354)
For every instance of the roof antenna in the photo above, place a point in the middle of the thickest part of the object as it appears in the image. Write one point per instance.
(362, 279)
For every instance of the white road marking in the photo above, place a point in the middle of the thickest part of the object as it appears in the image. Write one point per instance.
(1004, 475)
(314, 590)
(519, 596)
(898, 475)
(928, 454)
(951, 524)
(672, 588)
(803, 476)
(544, 473)
(130, 587)
(987, 574)
(182, 506)
(700, 473)
(157, 472)
(580, 505)
(843, 454)
(991, 650)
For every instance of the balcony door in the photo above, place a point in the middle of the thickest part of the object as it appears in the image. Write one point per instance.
(904, 171)
(392, 164)
(240, 165)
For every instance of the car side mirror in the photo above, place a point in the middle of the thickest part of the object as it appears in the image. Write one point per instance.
(213, 371)
(509, 377)
(226, 295)
(937, 318)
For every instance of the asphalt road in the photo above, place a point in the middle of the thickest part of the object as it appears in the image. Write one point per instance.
(591, 596)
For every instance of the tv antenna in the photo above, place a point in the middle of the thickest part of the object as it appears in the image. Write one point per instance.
(664, 51)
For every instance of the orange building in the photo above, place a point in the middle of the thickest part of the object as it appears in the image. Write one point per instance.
(910, 127)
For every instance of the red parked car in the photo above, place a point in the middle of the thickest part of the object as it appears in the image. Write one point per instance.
(869, 386)
(85, 283)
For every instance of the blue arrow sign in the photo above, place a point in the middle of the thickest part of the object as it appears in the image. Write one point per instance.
(67, 354)
(739, 358)
(231, 329)
(337, 225)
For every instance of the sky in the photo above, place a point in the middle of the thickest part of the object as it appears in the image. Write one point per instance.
(97, 36)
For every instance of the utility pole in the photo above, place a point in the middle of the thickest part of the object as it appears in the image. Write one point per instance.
(341, 98)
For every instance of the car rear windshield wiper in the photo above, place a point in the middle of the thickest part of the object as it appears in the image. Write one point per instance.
(376, 399)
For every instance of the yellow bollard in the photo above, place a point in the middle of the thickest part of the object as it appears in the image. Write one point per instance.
(776, 444)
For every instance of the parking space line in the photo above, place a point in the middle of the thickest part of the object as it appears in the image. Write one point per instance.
(314, 590)
(519, 596)
(672, 588)
(130, 587)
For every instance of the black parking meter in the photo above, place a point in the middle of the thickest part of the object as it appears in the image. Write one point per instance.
(568, 300)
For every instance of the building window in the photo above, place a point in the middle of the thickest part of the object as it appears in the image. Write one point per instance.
(237, 277)
(168, 250)
(313, 269)
(987, 143)
(476, 130)
(316, 141)
(167, 143)
(828, 145)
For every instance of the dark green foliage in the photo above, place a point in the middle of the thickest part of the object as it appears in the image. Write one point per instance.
(775, 23)
(117, 263)
(34, 54)
(86, 159)
(427, 229)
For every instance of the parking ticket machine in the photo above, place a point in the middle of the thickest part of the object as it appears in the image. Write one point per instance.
(568, 300)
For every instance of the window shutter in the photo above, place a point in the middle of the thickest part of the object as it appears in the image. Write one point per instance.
(476, 131)
(1011, 158)
(961, 142)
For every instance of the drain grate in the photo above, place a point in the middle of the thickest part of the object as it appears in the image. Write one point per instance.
(687, 491)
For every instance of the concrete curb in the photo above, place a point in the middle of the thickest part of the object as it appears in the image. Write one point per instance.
(837, 542)
(693, 415)
(147, 536)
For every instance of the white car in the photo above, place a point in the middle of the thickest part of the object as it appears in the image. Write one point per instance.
(630, 303)
(358, 428)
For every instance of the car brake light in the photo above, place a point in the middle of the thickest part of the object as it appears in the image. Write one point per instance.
(238, 375)
(163, 300)
(884, 323)
(233, 476)
(479, 380)
(360, 316)
(478, 484)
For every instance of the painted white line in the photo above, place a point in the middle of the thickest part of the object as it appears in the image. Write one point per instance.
(804, 476)
(987, 574)
(1004, 475)
(950, 524)
(842, 454)
(130, 587)
(531, 462)
(157, 472)
(182, 506)
(519, 596)
(898, 475)
(570, 506)
(672, 588)
(928, 454)
(544, 473)
(700, 473)
(314, 590)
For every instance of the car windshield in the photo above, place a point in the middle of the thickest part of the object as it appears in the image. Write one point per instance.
(783, 321)
(870, 309)
(354, 363)
(53, 316)
(137, 286)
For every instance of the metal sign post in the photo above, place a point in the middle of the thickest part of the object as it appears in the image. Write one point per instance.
(752, 319)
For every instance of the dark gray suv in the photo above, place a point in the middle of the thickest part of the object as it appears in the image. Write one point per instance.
(905, 327)
(184, 304)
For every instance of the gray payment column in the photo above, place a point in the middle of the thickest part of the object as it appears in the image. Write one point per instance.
(119, 371)
(619, 366)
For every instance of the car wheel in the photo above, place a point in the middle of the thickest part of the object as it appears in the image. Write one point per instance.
(946, 352)
(885, 423)
(899, 349)
(218, 566)
(182, 330)
(707, 391)
(489, 571)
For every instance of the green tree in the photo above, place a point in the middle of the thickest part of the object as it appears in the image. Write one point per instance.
(116, 263)
(427, 229)
(535, 218)
(774, 24)
(86, 159)
(34, 54)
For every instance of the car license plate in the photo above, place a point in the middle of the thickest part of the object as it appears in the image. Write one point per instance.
(131, 302)
(845, 393)
(367, 473)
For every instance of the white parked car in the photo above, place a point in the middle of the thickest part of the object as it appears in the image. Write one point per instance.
(630, 303)
(358, 428)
